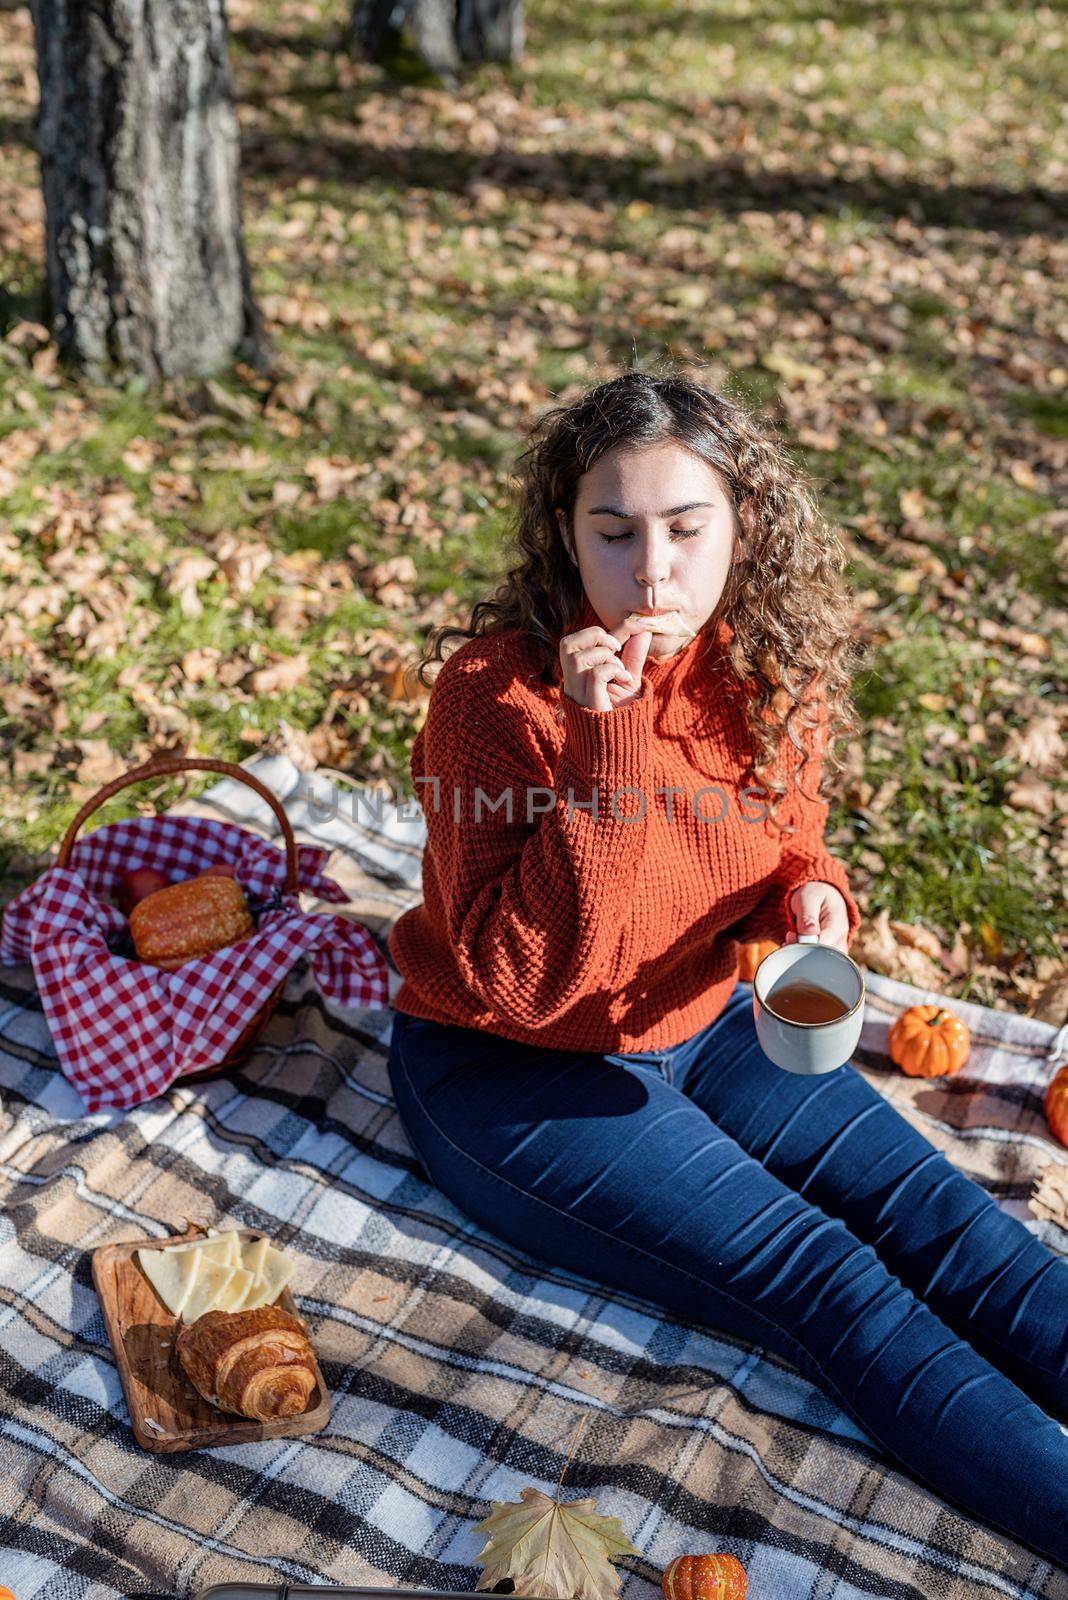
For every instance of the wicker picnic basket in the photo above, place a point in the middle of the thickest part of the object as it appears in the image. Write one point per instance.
(164, 765)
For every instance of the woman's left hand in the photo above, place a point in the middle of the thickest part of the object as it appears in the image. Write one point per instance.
(819, 907)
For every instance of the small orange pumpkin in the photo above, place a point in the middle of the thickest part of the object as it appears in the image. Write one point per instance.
(189, 919)
(751, 955)
(716, 1577)
(1056, 1104)
(929, 1042)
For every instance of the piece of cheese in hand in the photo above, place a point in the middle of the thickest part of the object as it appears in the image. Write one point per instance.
(173, 1275)
(671, 622)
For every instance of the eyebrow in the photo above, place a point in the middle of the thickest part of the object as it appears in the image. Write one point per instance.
(676, 511)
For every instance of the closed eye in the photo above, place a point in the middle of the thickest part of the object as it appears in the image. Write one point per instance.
(678, 533)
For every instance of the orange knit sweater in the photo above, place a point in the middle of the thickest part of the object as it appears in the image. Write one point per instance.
(603, 930)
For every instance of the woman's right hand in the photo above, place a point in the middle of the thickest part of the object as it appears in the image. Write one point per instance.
(596, 672)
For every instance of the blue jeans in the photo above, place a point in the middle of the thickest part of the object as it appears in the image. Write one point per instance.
(803, 1214)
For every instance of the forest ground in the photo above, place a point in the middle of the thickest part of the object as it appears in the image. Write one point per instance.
(851, 218)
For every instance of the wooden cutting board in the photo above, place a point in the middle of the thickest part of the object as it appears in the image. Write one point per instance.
(166, 1412)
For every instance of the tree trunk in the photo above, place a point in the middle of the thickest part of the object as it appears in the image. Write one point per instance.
(444, 32)
(490, 30)
(433, 25)
(138, 143)
(372, 23)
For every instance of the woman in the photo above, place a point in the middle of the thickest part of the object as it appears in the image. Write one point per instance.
(612, 803)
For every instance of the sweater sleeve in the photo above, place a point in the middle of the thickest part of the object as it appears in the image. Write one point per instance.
(805, 857)
(531, 902)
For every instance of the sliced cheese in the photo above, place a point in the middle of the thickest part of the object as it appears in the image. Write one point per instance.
(231, 1296)
(253, 1254)
(211, 1280)
(222, 1272)
(173, 1275)
(248, 1299)
(222, 1247)
(234, 1240)
(256, 1296)
(253, 1260)
(275, 1274)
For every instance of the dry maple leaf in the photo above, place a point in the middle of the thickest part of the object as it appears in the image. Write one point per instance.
(285, 673)
(554, 1550)
(190, 568)
(1032, 794)
(1050, 1004)
(1039, 745)
(902, 950)
(1049, 1194)
(243, 561)
(99, 763)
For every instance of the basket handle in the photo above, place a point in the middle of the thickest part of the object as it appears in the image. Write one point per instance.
(163, 764)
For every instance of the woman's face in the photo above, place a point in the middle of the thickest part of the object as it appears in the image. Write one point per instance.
(653, 529)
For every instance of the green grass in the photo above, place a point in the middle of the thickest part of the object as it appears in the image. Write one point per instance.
(864, 189)
(1049, 412)
(954, 849)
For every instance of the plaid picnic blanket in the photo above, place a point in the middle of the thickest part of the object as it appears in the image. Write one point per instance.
(459, 1367)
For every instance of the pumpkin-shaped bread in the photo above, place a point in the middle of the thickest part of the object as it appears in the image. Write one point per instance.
(929, 1042)
(189, 919)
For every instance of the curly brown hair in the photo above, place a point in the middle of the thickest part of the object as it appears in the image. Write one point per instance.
(792, 647)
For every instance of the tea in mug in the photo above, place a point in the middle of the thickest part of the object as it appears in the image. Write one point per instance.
(799, 1001)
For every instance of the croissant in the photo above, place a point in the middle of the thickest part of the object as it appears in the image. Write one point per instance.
(254, 1363)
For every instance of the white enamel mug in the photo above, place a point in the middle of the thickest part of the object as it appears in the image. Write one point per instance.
(809, 1047)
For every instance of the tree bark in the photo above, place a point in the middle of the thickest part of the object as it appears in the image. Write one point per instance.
(444, 32)
(490, 30)
(433, 25)
(138, 145)
(372, 23)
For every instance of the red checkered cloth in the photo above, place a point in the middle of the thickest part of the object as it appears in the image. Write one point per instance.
(123, 1030)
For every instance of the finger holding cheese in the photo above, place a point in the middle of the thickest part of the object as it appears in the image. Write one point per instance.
(172, 1274)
